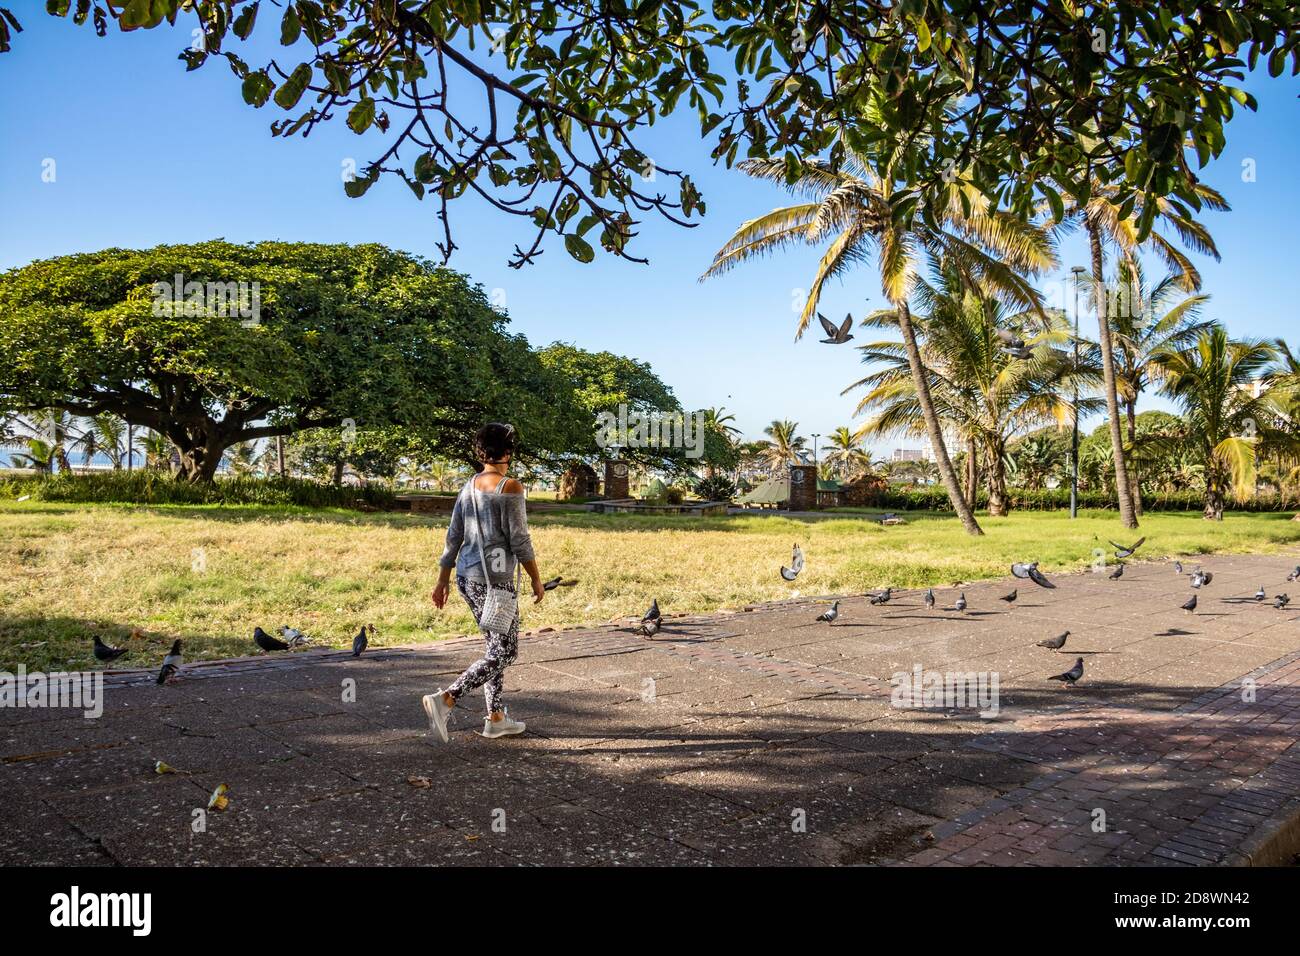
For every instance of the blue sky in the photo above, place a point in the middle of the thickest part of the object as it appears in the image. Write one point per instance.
(147, 154)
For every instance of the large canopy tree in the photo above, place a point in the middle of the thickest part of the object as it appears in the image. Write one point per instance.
(542, 108)
(344, 337)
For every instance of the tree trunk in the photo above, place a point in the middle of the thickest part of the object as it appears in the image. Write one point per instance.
(338, 473)
(932, 427)
(998, 504)
(972, 470)
(1135, 478)
(1213, 497)
(1122, 491)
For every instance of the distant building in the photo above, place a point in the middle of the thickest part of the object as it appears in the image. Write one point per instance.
(909, 454)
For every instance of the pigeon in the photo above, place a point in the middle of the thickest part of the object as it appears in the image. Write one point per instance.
(836, 336)
(796, 565)
(1201, 578)
(268, 643)
(1022, 570)
(1123, 552)
(1010, 341)
(929, 597)
(1020, 353)
(1178, 567)
(1117, 573)
(1055, 643)
(830, 615)
(1011, 598)
(1072, 675)
(1261, 593)
(1281, 601)
(1190, 604)
(883, 597)
(649, 627)
(652, 614)
(960, 605)
(559, 582)
(105, 653)
(1037, 576)
(1295, 574)
(294, 637)
(360, 642)
(171, 664)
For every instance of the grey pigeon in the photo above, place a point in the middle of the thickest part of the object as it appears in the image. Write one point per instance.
(1011, 598)
(1261, 593)
(836, 336)
(883, 597)
(1072, 675)
(796, 564)
(1009, 339)
(1295, 574)
(652, 614)
(1037, 577)
(1178, 567)
(105, 653)
(830, 615)
(554, 583)
(1281, 601)
(929, 597)
(1122, 551)
(960, 604)
(649, 627)
(171, 664)
(1117, 573)
(1022, 570)
(266, 642)
(1055, 643)
(1201, 578)
(1190, 604)
(293, 636)
(360, 642)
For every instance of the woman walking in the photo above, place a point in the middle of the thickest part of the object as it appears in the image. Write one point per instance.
(487, 542)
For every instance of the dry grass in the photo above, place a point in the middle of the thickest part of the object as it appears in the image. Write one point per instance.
(69, 571)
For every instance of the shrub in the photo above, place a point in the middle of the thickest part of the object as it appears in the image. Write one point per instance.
(159, 488)
(716, 488)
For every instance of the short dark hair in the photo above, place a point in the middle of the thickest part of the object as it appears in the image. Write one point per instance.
(493, 442)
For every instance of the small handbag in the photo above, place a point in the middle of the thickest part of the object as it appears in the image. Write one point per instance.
(501, 606)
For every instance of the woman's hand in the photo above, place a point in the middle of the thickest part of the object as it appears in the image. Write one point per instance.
(440, 594)
(539, 592)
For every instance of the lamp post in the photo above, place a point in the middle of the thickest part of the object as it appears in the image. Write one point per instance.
(1078, 272)
(815, 437)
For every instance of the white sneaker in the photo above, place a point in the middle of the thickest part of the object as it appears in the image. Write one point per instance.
(437, 710)
(503, 727)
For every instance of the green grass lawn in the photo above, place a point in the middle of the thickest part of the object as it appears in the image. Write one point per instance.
(209, 574)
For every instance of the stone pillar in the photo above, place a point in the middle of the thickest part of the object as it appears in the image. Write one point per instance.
(803, 488)
(616, 479)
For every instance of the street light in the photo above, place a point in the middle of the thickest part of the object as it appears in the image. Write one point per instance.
(1074, 438)
(815, 437)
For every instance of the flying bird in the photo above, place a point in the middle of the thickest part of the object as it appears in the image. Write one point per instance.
(836, 336)
(883, 597)
(1118, 572)
(960, 604)
(1011, 598)
(1031, 572)
(796, 564)
(1073, 674)
(559, 582)
(361, 641)
(1013, 344)
(171, 664)
(1190, 604)
(830, 614)
(1123, 552)
(1281, 601)
(105, 653)
(1201, 578)
(1055, 643)
(1022, 570)
(1261, 593)
(268, 643)
(929, 597)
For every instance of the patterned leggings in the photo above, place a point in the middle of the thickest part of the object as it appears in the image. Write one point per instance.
(502, 649)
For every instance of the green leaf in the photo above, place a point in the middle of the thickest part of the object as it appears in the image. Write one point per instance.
(257, 88)
(287, 96)
(362, 115)
(290, 27)
(579, 248)
(243, 24)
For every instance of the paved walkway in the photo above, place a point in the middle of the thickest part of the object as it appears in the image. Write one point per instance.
(753, 738)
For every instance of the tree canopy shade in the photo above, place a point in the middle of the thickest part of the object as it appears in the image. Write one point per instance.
(345, 337)
(541, 107)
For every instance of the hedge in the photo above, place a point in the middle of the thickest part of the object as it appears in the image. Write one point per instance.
(160, 488)
(1055, 499)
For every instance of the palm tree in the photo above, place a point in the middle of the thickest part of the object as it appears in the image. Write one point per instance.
(783, 446)
(861, 213)
(718, 422)
(1108, 223)
(39, 456)
(1160, 319)
(158, 451)
(989, 393)
(104, 436)
(846, 456)
(241, 458)
(1223, 389)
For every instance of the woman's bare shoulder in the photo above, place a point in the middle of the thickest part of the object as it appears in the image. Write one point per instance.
(512, 487)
